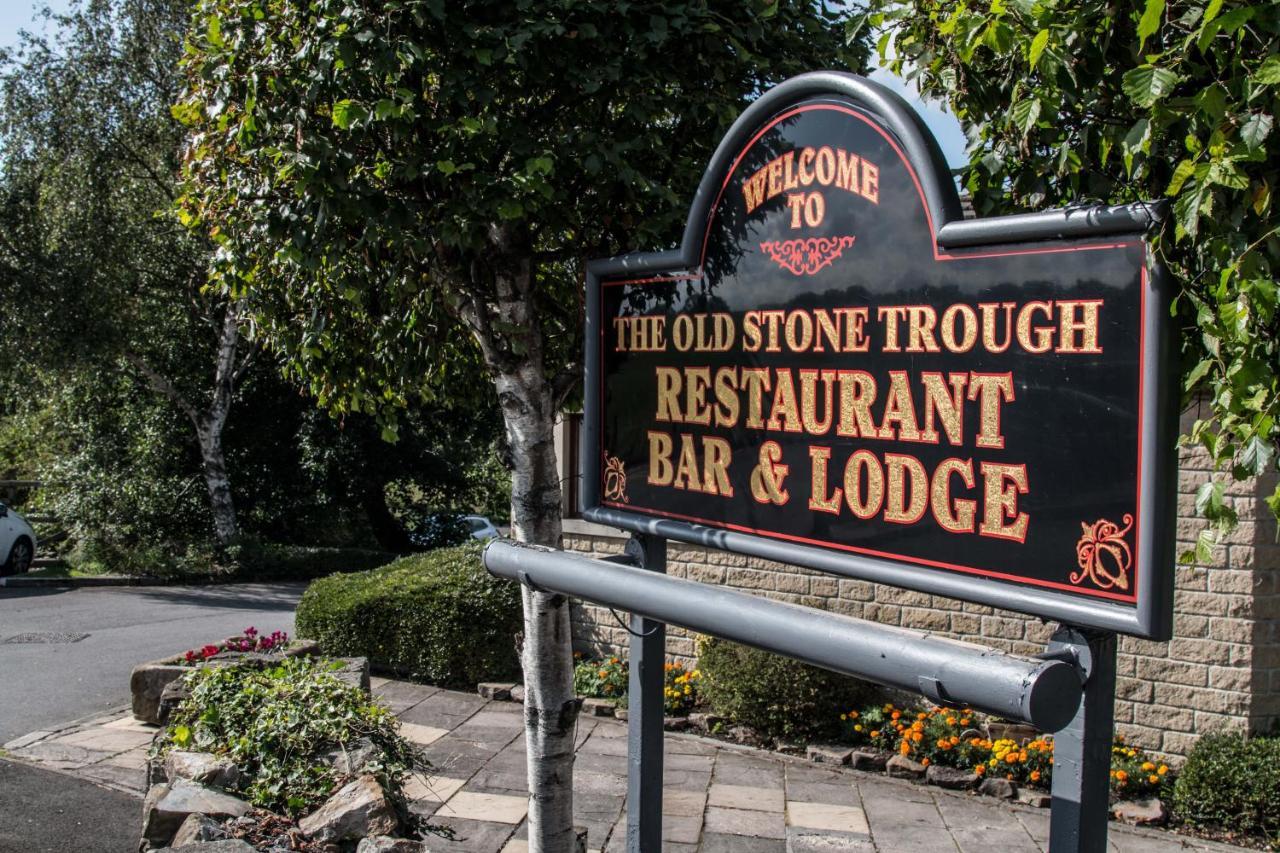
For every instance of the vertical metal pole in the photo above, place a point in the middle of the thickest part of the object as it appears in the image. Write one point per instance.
(644, 715)
(1082, 751)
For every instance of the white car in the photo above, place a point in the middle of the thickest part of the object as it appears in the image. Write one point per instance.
(17, 543)
(481, 527)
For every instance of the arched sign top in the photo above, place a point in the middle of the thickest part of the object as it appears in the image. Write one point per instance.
(895, 119)
(836, 370)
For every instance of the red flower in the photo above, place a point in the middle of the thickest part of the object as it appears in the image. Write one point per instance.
(209, 651)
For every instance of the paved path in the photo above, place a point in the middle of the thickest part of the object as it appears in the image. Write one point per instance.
(46, 683)
(718, 798)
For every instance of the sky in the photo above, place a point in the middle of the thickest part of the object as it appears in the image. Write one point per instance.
(21, 14)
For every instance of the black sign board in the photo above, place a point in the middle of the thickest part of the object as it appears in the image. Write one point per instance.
(837, 370)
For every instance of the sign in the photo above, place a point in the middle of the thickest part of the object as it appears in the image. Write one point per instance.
(837, 370)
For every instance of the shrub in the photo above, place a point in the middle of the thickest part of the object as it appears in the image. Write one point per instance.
(437, 616)
(248, 559)
(1231, 783)
(602, 679)
(276, 723)
(778, 697)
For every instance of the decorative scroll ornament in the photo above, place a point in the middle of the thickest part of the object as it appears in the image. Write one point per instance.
(1103, 554)
(615, 479)
(805, 256)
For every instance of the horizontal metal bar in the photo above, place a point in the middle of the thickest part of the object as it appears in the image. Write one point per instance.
(1061, 224)
(1050, 605)
(1044, 693)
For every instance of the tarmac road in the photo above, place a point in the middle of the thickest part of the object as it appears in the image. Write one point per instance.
(46, 812)
(44, 684)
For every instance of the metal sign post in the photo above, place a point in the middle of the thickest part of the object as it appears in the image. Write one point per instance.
(835, 370)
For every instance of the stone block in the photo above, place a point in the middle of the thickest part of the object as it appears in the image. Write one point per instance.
(358, 809)
(1000, 788)
(822, 753)
(387, 844)
(203, 768)
(869, 761)
(901, 767)
(1150, 812)
(593, 707)
(147, 682)
(225, 845)
(950, 778)
(495, 691)
(168, 805)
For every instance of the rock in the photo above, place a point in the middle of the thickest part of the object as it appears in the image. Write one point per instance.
(579, 839)
(387, 844)
(497, 691)
(1141, 812)
(745, 735)
(225, 845)
(517, 693)
(672, 724)
(351, 760)
(621, 714)
(173, 695)
(198, 827)
(354, 671)
(828, 753)
(705, 722)
(203, 768)
(359, 809)
(302, 649)
(1001, 788)
(789, 747)
(870, 761)
(147, 682)
(594, 707)
(901, 767)
(950, 778)
(1031, 797)
(168, 805)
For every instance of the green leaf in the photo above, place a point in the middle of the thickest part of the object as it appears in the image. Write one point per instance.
(1025, 113)
(1256, 457)
(446, 167)
(347, 113)
(1147, 84)
(1037, 47)
(1150, 21)
(510, 209)
(1269, 71)
(1197, 373)
(213, 31)
(1255, 131)
(181, 735)
(1184, 171)
(1209, 498)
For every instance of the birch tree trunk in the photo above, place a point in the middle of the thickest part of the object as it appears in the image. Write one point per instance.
(503, 317)
(210, 421)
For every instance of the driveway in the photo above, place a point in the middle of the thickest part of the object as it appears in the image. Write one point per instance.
(67, 653)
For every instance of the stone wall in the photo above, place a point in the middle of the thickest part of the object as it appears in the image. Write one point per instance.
(1221, 670)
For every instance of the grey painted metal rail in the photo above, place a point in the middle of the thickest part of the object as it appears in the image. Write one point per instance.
(1044, 693)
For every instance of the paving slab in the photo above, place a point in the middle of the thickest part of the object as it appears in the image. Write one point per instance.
(718, 798)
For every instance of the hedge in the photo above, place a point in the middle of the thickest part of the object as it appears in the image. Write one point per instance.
(1231, 783)
(776, 696)
(436, 616)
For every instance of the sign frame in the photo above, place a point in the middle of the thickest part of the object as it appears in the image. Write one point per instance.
(1151, 616)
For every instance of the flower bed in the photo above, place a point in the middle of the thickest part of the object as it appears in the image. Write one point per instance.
(608, 678)
(249, 641)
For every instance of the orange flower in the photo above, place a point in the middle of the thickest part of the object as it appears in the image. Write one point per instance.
(980, 769)
(1035, 775)
(896, 715)
(917, 737)
(924, 762)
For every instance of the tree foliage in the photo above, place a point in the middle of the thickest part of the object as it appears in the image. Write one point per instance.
(1124, 102)
(368, 168)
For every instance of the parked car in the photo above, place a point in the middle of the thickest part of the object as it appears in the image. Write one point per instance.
(17, 542)
(481, 527)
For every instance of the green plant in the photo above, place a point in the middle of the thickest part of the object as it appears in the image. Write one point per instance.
(277, 723)
(1231, 783)
(1131, 102)
(437, 616)
(1134, 774)
(680, 688)
(778, 697)
(604, 679)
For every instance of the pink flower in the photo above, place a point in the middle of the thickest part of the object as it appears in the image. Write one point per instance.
(251, 631)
